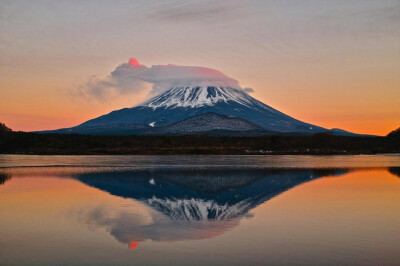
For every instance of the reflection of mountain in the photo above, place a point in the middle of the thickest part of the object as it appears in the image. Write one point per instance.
(191, 203)
(4, 177)
(394, 170)
(201, 194)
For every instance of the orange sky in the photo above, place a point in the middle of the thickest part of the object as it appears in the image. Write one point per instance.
(336, 64)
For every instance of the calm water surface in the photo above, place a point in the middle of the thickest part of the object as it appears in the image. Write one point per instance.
(200, 210)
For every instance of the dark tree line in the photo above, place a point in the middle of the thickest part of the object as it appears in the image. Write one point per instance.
(321, 143)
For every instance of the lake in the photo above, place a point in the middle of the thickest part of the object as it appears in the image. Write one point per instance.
(200, 210)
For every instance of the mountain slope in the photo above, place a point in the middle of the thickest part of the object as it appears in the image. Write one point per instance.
(180, 103)
(208, 122)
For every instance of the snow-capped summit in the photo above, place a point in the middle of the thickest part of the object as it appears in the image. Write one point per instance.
(198, 96)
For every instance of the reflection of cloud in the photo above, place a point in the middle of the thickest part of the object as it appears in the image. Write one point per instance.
(131, 227)
(133, 245)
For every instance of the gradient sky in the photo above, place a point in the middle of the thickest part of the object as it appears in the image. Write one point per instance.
(332, 63)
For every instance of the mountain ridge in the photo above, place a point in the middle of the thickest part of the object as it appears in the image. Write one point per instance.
(180, 103)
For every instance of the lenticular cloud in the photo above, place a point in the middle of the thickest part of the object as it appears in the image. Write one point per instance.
(133, 77)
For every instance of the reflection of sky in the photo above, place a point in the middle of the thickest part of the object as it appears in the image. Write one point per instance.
(336, 219)
(338, 57)
(178, 204)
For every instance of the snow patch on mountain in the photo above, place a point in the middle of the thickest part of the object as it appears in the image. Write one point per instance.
(199, 209)
(198, 96)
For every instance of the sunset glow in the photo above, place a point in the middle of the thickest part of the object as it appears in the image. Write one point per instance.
(133, 62)
(335, 64)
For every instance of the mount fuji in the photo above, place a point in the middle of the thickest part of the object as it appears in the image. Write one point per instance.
(196, 108)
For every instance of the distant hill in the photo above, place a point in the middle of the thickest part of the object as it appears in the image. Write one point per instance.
(4, 128)
(341, 132)
(394, 133)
